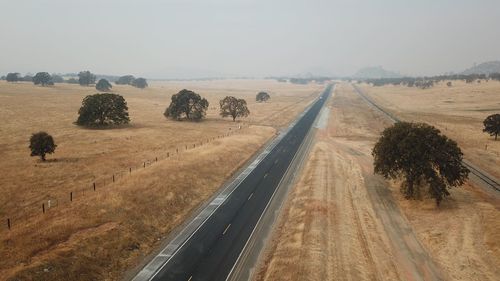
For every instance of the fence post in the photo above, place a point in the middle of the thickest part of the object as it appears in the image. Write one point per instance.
(113, 178)
(8, 223)
(43, 208)
(71, 196)
(177, 150)
(144, 164)
(130, 170)
(94, 186)
(157, 158)
(186, 147)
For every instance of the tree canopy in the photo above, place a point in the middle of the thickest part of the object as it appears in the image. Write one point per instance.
(187, 103)
(86, 78)
(262, 96)
(231, 106)
(41, 143)
(42, 78)
(422, 157)
(103, 109)
(125, 80)
(12, 77)
(140, 83)
(492, 125)
(103, 85)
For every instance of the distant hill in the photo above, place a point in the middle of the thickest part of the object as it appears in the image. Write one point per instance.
(484, 68)
(375, 72)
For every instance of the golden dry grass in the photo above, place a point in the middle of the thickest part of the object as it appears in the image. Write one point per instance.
(99, 235)
(458, 111)
(336, 222)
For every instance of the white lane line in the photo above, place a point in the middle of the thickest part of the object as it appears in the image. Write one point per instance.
(191, 277)
(250, 196)
(225, 230)
(151, 273)
(265, 175)
(269, 202)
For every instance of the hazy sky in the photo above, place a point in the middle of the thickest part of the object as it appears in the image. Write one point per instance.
(190, 38)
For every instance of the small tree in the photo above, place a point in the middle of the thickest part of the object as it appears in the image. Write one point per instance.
(42, 143)
(231, 106)
(86, 78)
(420, 155)
(448, 84)
(42, 78)
(492, 125)
(103, 85)
(187, 103)
(140, 83)
(262, 96)
(103, 109)
(125, 80)
(12, 77)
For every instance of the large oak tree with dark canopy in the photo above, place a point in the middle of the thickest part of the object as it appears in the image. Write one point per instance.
(492, 125)
(101, 110)
(42, 78)
(187, 104)
(422, 157)
(234, 107)
(42, 143)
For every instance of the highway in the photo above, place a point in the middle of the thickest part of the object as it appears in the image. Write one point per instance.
(212, 247)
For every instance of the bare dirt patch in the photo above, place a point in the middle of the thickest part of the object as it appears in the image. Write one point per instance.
(101, 234)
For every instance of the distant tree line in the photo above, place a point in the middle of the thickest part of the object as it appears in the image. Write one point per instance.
(140, 82)
(428, 82)
(84, 78)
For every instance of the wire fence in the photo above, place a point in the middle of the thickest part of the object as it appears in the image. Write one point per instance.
(45, 204)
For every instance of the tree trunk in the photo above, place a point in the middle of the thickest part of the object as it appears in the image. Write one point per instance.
(496, 135)
(43, 156)
(409, 189)
(234, 118)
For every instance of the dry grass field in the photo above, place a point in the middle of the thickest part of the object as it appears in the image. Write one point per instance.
(342, 222)
(458, 111)
(101, 234)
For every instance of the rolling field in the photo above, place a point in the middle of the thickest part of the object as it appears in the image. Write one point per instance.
(457, 111)
(342, 222)
(103, 233)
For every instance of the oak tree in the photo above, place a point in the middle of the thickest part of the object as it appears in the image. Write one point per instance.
(140, 83)
(492, 125)
(187, 104)
(41, 143)
(231, 106)
(12, 77)
(103, 85)
(262, 96)
(42, 78)
(423, 157)
(86, 78)
(103, 109)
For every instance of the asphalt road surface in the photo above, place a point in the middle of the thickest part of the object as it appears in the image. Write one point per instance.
(211, 251)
